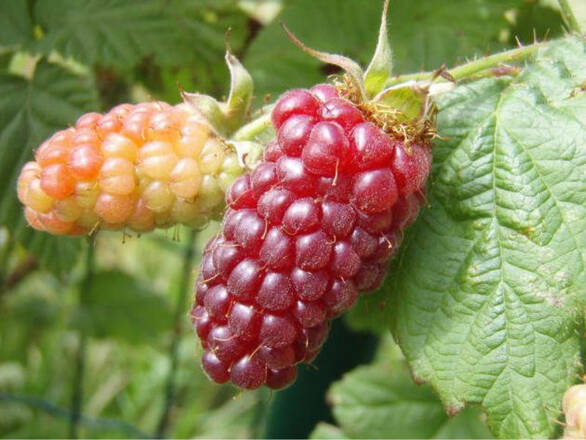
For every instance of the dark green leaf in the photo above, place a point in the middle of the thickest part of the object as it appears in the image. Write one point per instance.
(487, 296)
(119, 306)
(31, 110)
(424, 35)
(16, 28)
(120, 33)
(381, 401)
(5, 59)
(535, 20)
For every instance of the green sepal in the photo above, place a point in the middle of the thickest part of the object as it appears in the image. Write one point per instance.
(351, 67)
(226, 117)
(409, 100)
(240, 97)
(380, 68)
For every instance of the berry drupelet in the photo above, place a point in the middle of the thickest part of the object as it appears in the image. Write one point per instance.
(313, 225)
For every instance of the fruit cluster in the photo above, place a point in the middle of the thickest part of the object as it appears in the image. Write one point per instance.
(574, 407)
(313, 225)
(138, 166)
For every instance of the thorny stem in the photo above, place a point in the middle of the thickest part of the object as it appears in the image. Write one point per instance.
(77, 395)
(188, 257)
(257, 126)
(468, 69)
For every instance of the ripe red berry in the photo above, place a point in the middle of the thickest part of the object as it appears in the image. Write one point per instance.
(277, 379)
(327, 150)
(313, 225)
(411, 166)
(294, 102)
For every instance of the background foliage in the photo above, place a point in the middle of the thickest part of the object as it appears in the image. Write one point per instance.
(486, 298)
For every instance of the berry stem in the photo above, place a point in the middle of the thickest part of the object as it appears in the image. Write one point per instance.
(256, 127)
(468, 69)
(77, 395)
(25, 268)
(188, 257)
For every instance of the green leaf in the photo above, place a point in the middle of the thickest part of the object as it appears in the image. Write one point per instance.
(31, 110)
(424, 34)
(348, 27)
(326, 431)
(488, 295)
(381, 401)
(16, 28)
(117, 305)
(122, 32)
(536, 20)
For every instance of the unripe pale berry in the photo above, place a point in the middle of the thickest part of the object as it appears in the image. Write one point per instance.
(313, 225)
(574, 408)
(138, 167)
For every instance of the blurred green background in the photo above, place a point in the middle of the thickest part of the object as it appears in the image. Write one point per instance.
(59, 58)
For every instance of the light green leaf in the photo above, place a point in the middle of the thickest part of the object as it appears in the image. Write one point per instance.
(326, 431)
(121, 32)
(424, 35)
(31, 110)
(487, 296)
(574, 14)
(381, 401)
(119, 306)
(15, 25)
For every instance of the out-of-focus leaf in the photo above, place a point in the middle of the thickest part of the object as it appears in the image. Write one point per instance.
(5, 59)
(30, 111)
(424, 35)
(535, 20)
(117, 305)
(326, 431)
(16, 28)
(120, 33)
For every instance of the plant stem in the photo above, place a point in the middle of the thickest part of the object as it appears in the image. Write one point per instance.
(250, 131)
(188, 257)
(96, 423)
(5, 253)
(25, 268)
(468, 69)
(77, 396)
